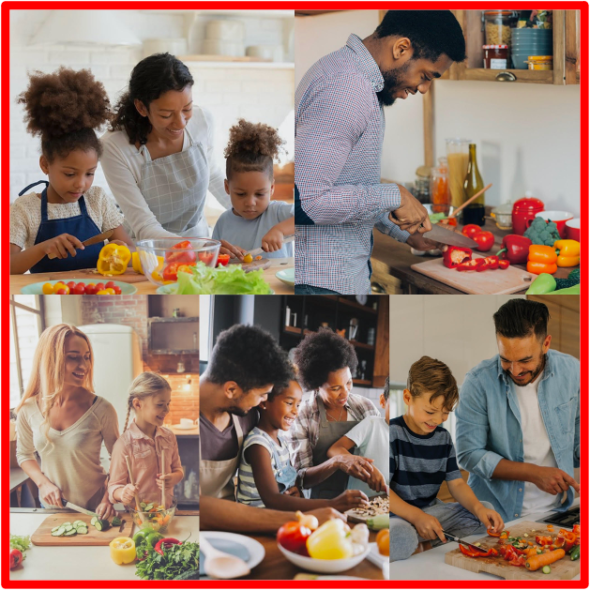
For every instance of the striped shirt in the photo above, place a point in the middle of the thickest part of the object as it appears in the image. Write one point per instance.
(339, 130)
(420, 463)
(305, 432)
(247, 491)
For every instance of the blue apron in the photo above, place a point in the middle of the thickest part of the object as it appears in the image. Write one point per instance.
(80, 226)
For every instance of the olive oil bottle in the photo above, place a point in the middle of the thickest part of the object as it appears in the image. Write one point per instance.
(474, 212)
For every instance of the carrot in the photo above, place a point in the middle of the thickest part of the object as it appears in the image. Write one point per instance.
(536, 562)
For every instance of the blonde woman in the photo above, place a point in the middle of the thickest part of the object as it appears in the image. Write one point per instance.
(63, 423)
(143, 443)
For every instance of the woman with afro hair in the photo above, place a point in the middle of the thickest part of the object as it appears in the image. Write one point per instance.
(325, 363)
(47, 229)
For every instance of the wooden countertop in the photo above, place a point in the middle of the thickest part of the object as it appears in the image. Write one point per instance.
(395, 259)
(143, 286)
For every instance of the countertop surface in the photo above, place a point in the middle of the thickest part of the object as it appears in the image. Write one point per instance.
(430, 565)
(81, 563)
(395, 258)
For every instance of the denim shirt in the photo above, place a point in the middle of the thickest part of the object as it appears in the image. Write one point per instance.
(489, 428)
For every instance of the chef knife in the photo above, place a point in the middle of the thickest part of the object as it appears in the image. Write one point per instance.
(105, 235)
(78, 508)
(450, 238)
(461, 542)
(258, 251)
(122, 525)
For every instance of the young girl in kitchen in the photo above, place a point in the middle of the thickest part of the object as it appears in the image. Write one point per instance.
(152, 450)
(266, 477)
(47, 228)
(254, 221)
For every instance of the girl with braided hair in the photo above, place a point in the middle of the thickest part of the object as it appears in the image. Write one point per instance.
(254, 220)
(143, 442)
(47, 229)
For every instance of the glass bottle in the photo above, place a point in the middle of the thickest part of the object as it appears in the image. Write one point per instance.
(475, 211)
(440, 193)
(457, 158)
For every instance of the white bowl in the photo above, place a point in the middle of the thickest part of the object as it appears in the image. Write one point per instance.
(324, 566)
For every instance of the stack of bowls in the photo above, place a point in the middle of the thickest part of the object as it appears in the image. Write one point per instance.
(526, 42)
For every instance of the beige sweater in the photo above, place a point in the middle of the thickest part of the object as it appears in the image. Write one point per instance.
(71, 458)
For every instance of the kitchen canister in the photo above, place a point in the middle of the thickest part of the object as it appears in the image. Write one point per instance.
(524, 211)
(161, 45)
(227, 30)
(266, 52)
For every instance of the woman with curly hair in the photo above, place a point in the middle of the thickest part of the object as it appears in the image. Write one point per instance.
(61, 424)
(325, 363)
(254, 220)
(47, 229)
(158, 153)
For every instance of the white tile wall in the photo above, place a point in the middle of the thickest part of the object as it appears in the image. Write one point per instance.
(260, 95)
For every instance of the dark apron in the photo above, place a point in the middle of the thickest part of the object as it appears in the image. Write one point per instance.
(330, 432)
(80, 226)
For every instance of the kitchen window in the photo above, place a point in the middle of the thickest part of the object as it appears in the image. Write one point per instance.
(26, 324)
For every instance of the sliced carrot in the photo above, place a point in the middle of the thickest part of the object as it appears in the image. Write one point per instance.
(535, 562)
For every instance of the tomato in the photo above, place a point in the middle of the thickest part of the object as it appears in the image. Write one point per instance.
(117, 290)
(47, 289)
(485, 240)
(100, 286)
(170, 272)
(71, 285)
(16, 558)
(248, 258)
(186, 257)
(65, 291)
(79, 289)
(109, 285)
(470, 230)
(293, 537)
(90, 290)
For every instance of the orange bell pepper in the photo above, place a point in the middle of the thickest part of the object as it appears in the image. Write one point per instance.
(542, 259)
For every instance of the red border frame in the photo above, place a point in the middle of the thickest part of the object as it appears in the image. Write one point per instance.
(5, 284)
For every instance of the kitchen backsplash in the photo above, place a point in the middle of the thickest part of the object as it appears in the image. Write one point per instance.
(185, 398)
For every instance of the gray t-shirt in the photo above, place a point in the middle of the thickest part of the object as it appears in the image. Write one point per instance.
(248, 233)
(222, 446)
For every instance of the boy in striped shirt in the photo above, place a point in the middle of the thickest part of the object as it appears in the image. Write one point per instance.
(422, 457)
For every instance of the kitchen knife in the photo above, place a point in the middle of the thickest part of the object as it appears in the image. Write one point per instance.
(78, 509)
(461, 542)
(450, 238)
(258, 251)
(122, 525)
(105, 235)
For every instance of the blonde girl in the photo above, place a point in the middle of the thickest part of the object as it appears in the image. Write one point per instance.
(143, 442)
(61, 420)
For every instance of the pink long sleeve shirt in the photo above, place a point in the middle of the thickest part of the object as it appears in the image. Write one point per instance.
(145, 457)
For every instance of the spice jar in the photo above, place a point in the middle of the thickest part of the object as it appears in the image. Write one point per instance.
(498, 24)
(495, 57)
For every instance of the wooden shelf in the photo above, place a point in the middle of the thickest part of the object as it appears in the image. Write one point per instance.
(362, 345)
(356, 305)
(522, 76)
(291, 330)
(362, 382)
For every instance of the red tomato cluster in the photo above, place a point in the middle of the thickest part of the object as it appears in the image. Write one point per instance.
(484, 239)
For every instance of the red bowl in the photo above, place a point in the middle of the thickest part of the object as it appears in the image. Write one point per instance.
(558, 217)
(572, 229)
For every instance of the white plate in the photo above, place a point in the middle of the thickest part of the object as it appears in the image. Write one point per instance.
(324, 566)
(287, 276)
(248, 549)
(375, 557)
(37, 288)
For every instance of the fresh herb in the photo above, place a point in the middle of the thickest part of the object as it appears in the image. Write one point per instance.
(20, 543)
(175, 561)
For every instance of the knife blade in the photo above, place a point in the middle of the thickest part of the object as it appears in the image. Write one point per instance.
(450, 238)
(105, 235)
(461, 542)
(257, 251)
(78, 509)
(122, 526)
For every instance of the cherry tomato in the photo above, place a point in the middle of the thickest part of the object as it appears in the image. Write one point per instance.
(71, 285)
(83, 285)
(90, 290)
(109, 285)
(48, 289)
(63, 291)
(222, 260)
(100, 286)
(117, 290)
(79, 289)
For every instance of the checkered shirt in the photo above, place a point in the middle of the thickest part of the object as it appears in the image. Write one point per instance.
(339, 129)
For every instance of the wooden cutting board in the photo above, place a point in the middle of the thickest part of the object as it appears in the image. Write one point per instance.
(129, 276)
(489, 282)
(564, 569)
(354, 516)
(261, 264)
(42, 536)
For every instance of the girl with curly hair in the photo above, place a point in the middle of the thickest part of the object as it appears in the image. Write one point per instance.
(158, 154)
(254, 220)
(325, 362)
(47, 229)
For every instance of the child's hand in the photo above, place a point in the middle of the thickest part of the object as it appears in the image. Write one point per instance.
(428, 527)
(105, 510)
(233, 251)
(128, 494)
(355, 466)
(164, 480)
(293, 491)
(350, 499)
(377, 481)
(490, 518)
(62, 245)
(273, 240)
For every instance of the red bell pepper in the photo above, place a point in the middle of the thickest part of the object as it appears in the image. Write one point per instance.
(454, 256)
(473, 553)
(181, 257)
(222, 260)
(485, 240)
(206, 257)
(470, 230)
(471, 265)
(170, 271)
(489, 263)
(541, 540)
(515, 249)
(503, 264)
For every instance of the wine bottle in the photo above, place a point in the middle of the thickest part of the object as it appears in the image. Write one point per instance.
(475, 211)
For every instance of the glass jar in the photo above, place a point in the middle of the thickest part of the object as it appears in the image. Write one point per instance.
(458, 158)
(540, 62)
(440, 192)
(498, 25)
(495, 57)
(422, 184)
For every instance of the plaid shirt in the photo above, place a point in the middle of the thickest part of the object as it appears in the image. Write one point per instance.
(339, 129)
(305, 432)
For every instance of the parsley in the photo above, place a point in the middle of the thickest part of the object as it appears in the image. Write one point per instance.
(178, 560)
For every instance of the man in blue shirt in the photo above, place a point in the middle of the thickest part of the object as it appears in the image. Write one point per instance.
(339, 131)
(518, 419)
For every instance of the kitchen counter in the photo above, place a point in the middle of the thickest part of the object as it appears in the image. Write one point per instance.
(430, 565)
(80, 563)
(394, 258)
(143, 286)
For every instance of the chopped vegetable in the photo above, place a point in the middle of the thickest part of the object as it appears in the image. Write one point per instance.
(122, 550)
(471, 265)
(222, 259)
(181, 253)
(454, 256)
(378, 522)
(542, 232)
(116, 521)
(546, 569)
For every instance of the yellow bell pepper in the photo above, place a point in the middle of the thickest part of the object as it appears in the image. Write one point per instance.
(122, 550)
(330, 541)
(113, 260)
(136, 263)
(568, 253)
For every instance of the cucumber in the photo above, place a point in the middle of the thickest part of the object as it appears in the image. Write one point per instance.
(55, 528)
(101, 525)
(575, 554)
(68, 527)
(93, 520)
(82, 530)
(78, 523)
(70, 533)
(116, 521)
(56, 533)
(546, 569)
(378, 522)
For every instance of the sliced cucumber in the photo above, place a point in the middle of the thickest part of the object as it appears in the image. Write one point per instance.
(70, 533)
(82, 530)
(56, 533)
(149, 507)
(68, 527)
(546, 569)
(78, 523)
(55, 528)
(93, 520)
(102, 525)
